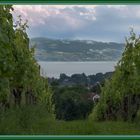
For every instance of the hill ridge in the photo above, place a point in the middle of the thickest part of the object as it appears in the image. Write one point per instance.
(48, 49)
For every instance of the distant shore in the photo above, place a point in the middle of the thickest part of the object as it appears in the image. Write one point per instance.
(54, 69)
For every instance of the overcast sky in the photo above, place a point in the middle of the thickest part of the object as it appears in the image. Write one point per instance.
(90, 22)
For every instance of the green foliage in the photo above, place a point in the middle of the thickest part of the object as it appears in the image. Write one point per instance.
(6, 41)
(22, 120)
(6, 47)
(120, 96)
(72, 103)
(20, 80)
(36, 120)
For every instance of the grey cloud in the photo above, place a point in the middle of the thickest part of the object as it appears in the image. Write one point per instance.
(99, 23)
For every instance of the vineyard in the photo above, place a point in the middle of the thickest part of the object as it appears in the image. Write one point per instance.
(20, 80)
(30, 105)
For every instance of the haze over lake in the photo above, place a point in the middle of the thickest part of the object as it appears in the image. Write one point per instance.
(54, 69)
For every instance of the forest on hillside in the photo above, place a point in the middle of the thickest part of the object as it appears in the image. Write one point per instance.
(76, 50)
(32, 104)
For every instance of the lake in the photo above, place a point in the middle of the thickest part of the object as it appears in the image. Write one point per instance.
(53, 69)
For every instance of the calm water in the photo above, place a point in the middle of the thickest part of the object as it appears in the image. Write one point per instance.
(53, 69)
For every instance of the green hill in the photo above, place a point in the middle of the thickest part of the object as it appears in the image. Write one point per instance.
(76, 50)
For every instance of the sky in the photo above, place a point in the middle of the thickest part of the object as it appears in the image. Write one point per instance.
(107, 23)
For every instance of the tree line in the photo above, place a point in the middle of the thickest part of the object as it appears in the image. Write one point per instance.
(80, 79)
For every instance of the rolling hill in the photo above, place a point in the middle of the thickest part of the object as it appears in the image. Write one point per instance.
(75, 50)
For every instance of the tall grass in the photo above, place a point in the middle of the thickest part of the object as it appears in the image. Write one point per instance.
(36, 120)
(21, 120)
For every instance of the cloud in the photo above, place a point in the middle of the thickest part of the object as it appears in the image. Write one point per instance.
(97, 22)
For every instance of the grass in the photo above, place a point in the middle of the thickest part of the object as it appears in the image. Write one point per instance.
(85, 128)
(36, 120)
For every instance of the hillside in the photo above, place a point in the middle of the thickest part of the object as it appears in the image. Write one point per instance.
(76, 50)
